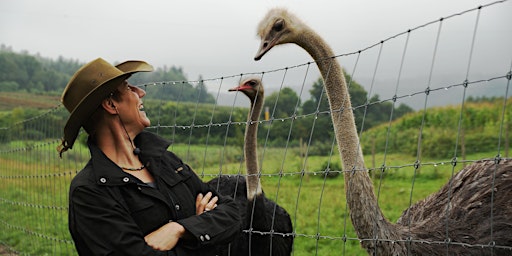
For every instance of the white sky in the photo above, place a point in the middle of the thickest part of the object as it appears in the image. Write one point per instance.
(218, 38)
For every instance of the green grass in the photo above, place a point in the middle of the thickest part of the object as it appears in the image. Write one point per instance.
(321, 211)
(34, 190)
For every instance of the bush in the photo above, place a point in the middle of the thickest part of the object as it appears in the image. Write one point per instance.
(330, 170)
(9, 86)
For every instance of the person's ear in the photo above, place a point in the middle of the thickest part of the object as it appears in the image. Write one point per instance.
(109, 106)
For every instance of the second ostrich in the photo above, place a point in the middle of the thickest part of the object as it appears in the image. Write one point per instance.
(269, 226)
(470, 215)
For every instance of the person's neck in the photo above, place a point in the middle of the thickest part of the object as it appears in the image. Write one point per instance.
(116, 145)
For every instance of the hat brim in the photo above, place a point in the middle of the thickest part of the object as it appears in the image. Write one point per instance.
(90, 103)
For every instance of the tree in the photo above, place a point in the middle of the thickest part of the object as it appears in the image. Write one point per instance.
(368, 110)
(287, 100)
(33, 73)
(204, 96)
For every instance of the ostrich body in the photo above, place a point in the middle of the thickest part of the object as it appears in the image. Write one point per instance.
(458, 213)
(259, 213)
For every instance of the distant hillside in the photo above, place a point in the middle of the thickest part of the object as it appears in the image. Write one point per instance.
(480, 127)
(11, 100)
(23, 72)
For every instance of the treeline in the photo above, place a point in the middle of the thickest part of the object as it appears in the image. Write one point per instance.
(36, 74)
(287, 121)
(290, 120)
(188, 122)
(483, 127)
(191, 123)
(24, 72)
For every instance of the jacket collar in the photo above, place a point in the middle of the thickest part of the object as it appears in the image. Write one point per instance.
(150, 144)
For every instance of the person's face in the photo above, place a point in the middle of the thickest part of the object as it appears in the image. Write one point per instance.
(130, 107)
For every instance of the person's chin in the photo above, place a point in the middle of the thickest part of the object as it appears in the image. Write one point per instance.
(144, 119)
(146, 123)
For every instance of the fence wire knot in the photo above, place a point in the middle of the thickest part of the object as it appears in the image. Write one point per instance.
(382, 168)
(417, 164)
(454, 161)
(497, 159)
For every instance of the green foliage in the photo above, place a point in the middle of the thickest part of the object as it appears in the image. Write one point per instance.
(15, 126)
(9, 86)
(202, 93)
(368, 112)
(35, 74)
(35, 189)
(283, 103)
(186, 122)
(480, 125)
(174, 86)
(329, 170)
(171, 92)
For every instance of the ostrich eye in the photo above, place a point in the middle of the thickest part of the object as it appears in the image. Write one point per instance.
(252, 83)
(279, 25)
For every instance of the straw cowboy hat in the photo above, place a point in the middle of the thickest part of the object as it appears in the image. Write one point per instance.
(91, 84)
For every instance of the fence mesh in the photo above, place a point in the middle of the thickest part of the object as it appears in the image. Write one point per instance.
(297, 172)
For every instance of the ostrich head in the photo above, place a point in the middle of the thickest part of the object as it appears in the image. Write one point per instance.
(251, 87)
(278, 27)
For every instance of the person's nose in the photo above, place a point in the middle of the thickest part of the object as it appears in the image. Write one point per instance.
(139, 91)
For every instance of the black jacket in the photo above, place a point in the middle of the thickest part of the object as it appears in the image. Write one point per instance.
(110, 211)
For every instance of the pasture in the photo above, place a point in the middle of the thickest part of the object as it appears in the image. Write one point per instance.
(33, 212)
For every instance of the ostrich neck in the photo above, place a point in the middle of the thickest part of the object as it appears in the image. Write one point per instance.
(365, 213)
(251, 148)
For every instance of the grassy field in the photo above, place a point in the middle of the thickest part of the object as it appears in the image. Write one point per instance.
(34, 187)
(10, 100)
(317, 205)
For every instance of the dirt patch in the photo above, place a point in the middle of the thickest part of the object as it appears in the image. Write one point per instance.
(5, 251)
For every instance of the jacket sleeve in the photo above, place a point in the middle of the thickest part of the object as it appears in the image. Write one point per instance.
(218, 226)
(99, 225)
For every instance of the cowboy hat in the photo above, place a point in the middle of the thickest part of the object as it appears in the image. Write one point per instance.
(91, 84)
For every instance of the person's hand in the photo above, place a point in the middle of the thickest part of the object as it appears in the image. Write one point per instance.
(205, 203)
(166, 237)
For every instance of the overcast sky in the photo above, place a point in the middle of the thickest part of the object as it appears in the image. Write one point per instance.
(218, 38)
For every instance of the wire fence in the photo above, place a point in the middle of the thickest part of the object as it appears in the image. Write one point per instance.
(34, 181)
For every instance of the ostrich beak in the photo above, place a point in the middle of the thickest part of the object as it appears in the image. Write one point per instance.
(240, 88)
(265, 46)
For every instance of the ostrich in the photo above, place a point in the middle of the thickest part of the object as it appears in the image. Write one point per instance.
(259, 213)
(459, 214)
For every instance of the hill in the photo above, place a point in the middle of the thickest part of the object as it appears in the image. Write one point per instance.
(11, 100)
(23, 72)
(483, 126)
